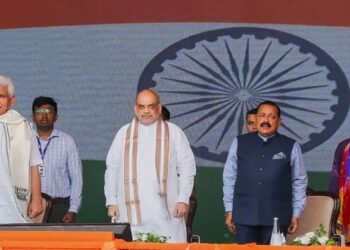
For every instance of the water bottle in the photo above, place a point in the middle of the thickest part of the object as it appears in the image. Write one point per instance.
(276, 239)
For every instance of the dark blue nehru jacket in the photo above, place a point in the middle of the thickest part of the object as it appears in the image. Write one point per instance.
(263, 187)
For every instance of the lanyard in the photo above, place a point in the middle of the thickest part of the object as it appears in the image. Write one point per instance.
(43, 152)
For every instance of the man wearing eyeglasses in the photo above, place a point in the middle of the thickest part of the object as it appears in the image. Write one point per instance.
(61, 171)
(150, 173)
(20, 198)
(264, 177)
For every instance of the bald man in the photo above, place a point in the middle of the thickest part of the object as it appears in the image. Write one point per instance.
(150, 173)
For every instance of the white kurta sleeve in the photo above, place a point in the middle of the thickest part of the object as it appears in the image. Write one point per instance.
(35, 157)
(185, 166)
(113, 163)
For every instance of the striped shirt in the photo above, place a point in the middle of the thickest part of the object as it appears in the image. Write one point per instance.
(61, 173)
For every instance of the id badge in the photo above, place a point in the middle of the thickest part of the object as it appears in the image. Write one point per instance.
(41, 171)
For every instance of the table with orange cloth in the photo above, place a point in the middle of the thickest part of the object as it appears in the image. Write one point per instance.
(74, 240)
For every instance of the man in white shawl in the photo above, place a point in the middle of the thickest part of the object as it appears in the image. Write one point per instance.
(20, 195)
(150, 173)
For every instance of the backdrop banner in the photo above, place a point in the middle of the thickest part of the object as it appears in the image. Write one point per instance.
(207, 74)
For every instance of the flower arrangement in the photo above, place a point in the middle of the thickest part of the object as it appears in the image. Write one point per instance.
(149, 237)
(316, 238)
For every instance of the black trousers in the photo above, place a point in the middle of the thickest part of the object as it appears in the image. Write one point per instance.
(259, 234)
(59, 207)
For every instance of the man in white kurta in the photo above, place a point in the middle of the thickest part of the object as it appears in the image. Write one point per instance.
(163, 201)
(20, 197)
(10, 211)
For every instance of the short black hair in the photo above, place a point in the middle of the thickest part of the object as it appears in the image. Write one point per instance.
(165, 114)
(251, 112)
(271, 103)
(44, 100)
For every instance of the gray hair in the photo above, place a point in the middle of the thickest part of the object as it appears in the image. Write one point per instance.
(7, 82)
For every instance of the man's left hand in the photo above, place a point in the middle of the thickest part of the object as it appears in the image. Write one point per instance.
(180, 209)
(35, 208)
(293, 225)
(69, 217)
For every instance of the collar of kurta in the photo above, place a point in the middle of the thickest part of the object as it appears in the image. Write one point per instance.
(161, 158)
(11, 117)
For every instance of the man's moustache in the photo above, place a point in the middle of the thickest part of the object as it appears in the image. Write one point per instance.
(265, 123)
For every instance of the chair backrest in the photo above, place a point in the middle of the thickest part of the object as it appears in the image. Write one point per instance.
(321, 208)
(42, 218)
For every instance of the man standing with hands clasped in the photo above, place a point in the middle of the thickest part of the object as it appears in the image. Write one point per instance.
(150, 172)
(264, 177)
(20, 197)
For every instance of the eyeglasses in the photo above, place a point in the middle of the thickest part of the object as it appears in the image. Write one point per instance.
(44, 111)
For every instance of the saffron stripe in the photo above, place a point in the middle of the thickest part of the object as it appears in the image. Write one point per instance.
(134, 174)
(126, 173)
(166, 160)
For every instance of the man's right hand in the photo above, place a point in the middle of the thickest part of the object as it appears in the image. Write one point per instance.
(228, 221)
(113, 212)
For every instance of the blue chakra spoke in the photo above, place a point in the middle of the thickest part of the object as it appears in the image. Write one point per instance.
(288, 81)
(254, 102)
(245, 68)
(201, 108)
(222, 68)
(199, 93)
(195, 84)
(256, 70)
(211, 72)
(199, 100)
(201, 77)
(291, 131)
(280, 74)
(268, 71)
(219, 117)
(290, 106)
(290, 90)
(248, 105)
(233, 64)
(294, 118)
(294, 98)
(246, 65)
(210, 114)
(228, 123)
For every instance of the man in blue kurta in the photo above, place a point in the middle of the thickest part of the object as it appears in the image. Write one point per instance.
(264, 177)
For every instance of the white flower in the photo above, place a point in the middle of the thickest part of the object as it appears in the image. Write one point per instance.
(322, 240)
(305, 240)
(310, 234)
(317, 237)
(144, 237)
